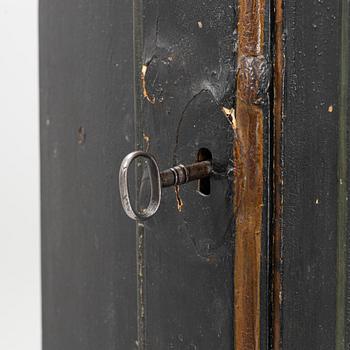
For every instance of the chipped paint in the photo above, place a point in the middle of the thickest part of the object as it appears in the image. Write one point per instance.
(230, 114)
(147, 142)
(179, 201)
(146, 95)
(81, 137)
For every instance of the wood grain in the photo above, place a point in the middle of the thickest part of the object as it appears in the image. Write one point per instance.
(278, 78)
(249, 182)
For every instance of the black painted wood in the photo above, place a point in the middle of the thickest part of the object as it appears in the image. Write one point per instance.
(88, 244)
(188, 48)
(87, 125)
(182, 295)
(312, 182)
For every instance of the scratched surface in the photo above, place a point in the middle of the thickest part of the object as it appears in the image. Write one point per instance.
(189, 76)
(183, 294)
(88, 243)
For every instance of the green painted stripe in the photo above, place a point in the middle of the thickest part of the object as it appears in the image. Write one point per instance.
(342, 181)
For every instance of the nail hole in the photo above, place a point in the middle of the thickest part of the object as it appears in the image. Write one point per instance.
(204, 184)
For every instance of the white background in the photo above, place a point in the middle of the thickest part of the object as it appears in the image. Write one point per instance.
(20, 315)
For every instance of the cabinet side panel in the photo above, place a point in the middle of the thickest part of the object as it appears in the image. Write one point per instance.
(87, 126)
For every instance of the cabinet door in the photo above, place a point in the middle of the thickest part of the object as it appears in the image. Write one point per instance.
(256, 257)
(203, 280)
(177, 79)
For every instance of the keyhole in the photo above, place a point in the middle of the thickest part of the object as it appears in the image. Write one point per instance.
(204, 184)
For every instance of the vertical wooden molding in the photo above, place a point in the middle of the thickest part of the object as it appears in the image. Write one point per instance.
(249, 182)
(277, 175)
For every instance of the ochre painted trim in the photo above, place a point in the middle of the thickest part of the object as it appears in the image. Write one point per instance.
(277, 175)
(249, 182)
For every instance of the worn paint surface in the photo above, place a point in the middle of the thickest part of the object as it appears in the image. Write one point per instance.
(186, 74)
(86, 128)
(189, 50)
(252, 84)
(311, 135)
